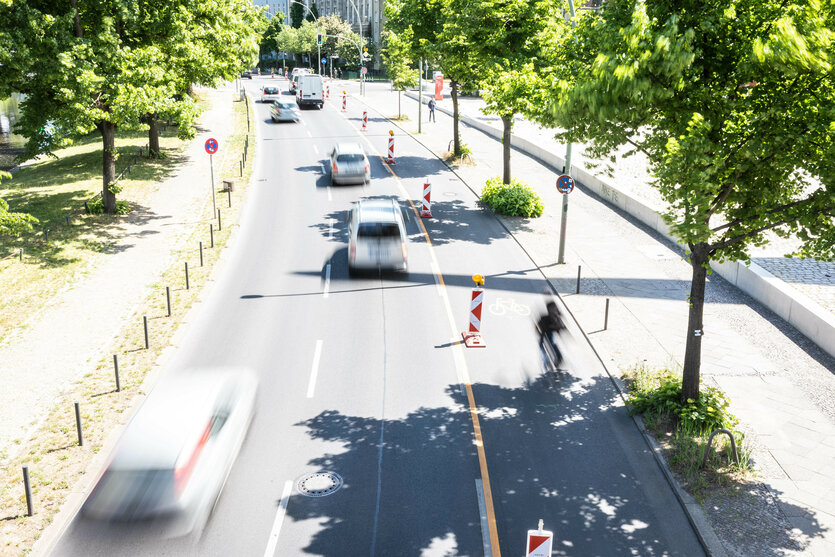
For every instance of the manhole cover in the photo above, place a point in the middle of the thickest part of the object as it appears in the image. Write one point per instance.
(319, 484)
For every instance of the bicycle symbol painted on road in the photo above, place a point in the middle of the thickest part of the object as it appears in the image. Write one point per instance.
(503, 306)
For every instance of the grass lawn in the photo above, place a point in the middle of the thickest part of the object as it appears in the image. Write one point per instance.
(54, 191)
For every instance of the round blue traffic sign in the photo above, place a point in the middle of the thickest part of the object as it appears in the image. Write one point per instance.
(211, 145)
(324, 60)
(565, 183)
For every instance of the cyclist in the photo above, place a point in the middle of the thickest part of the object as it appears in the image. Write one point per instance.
(549, 325)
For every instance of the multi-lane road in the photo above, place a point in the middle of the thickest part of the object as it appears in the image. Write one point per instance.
(442, 450)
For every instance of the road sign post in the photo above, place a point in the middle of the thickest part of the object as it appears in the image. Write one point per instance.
(211, 148)
(565, 185)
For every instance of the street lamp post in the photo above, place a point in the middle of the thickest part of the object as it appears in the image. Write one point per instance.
(359, 23)
(319, 31)
(567, 171)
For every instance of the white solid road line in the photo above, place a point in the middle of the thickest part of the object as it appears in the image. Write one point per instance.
(314, 369)
(309, 134)
(315, 149)
(327, 280)
(279, 519)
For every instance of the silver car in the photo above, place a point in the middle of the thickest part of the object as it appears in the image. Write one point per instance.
(284, 111)
(349, 164)
(270, 94)
(174, 456)
(377, 236)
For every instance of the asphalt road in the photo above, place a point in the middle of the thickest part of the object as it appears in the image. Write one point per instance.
(367, 378)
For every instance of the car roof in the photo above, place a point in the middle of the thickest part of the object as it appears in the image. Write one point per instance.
(377, 210)
(349, 148)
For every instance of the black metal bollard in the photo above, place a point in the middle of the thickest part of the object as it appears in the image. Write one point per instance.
(606, 316)
(116, 372)
(168, 299)
(229, 193)
(211, 236)
(578, 278)
(186, 275)
(201, 254)
(78, 425)
(241, 165)
(219, 227)
(68, 219)
(46, 235)
(28, 488)
(21, 254)
(145, 326)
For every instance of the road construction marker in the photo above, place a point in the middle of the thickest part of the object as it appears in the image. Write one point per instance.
(390, 157)
(426, 209)
(539, 542)
(472, 336)
(344, 101)
(364, 120)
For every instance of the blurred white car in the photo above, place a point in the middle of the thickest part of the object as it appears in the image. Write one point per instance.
(377, 236)
(173, 458)
(349, 164)
(284, 111)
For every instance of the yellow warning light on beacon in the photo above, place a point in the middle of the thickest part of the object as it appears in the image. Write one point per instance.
(343, 92)
(478, 280)
(391, 133)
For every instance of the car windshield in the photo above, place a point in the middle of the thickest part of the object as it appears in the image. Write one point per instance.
(284, 105)
(270, 90)
(349, 157)
(378, 230)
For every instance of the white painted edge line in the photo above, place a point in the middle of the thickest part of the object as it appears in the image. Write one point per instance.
(330, 197)
(309, 134)
(315, 149)
(435, 272)
(314, 369)
(330, 229)
(327, 280)
(279, 519)
(482, 514)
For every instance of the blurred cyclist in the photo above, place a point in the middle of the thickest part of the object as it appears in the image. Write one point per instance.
(549, 325)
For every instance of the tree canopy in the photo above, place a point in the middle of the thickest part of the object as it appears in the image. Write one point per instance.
(734, 107)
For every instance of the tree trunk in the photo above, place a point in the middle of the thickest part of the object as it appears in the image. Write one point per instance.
(79, 32)
(507, 127)
(693, 350)
(456, 139)
(153, 136)
(108, 139)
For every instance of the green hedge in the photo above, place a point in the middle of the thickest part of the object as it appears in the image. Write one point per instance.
(514, 200)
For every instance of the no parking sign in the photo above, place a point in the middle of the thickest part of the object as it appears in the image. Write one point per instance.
(211, 145)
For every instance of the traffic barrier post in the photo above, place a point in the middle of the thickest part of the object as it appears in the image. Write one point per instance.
(426, 208)
(472, 336)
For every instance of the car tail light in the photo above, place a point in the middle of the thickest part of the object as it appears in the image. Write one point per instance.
(367, 167)
(352, 254)
(278, 110)
(403, 249)
(187, 461)
(335, 168)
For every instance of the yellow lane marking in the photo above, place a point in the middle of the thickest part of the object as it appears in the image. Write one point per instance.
(460, 362)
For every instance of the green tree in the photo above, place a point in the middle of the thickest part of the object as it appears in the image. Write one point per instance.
(399, 65)
(12, 224)
(297, 13)
(313, 14)
(502, 41)
(734, 106)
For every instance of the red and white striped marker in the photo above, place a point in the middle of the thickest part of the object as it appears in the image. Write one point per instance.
(344, 101)
(364, 120)
(539, 542)
(327, 91)
(426, 209)
(390, 157)
(472, 336)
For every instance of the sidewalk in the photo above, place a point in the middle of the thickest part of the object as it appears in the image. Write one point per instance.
(65, 339)
(781, 385)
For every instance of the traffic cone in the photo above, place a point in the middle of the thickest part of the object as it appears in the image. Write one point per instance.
(472, 336)
(426, 209)
(390, 158)
(364, 120)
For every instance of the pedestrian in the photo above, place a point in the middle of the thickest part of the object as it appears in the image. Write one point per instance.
(431, 106)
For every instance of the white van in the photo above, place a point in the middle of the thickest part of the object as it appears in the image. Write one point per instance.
(309, 91)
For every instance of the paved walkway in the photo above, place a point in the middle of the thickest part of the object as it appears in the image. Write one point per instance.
(71, 335)
(782, 387)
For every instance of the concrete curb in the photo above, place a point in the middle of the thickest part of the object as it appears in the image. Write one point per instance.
(798, 310)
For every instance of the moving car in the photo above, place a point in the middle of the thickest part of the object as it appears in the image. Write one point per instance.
(284, 111)
(247, 75)
(349, 164)
(377, 236)
(173, 458)
(296, 72)
(270, 94)
(310, 91)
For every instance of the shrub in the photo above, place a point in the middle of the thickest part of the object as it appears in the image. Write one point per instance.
(708, 412)
(96, 207)
(514, 200)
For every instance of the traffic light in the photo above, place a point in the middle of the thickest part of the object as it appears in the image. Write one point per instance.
(319, 38)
